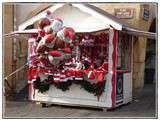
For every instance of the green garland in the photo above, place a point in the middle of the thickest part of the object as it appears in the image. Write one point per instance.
(96, 88)
(41, 86)
(64, 85)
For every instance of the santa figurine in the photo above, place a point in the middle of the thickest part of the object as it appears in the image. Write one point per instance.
(55, 24)
(66, 34)
(46, 42)
(44, 22)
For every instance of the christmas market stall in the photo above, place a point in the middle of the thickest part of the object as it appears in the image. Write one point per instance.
(80, 55)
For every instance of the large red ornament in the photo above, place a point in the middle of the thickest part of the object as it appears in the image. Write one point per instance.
(46, 42)
(49, 38)
(69, 32)
(66, 50)
(55, 53)
(59, 43)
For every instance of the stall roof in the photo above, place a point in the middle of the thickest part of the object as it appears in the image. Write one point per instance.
(106, 20)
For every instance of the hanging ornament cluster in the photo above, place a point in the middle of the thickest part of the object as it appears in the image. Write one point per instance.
(54, 57)
(87, 41)
(92, 39)
(54, 40)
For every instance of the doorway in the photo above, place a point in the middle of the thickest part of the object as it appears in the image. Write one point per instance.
(150, 60)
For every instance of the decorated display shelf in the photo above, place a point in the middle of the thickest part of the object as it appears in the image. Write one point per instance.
(69, 67)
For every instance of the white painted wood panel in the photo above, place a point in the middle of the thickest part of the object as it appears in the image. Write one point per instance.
(74, 96)
(127, 85)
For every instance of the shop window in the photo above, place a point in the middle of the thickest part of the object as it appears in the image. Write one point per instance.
(94, 48)
(124, 51)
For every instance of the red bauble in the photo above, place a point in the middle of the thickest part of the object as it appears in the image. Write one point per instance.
(34, 35)
(59, 44)
(72, 36)
(66, 33)
(41, 33)
(55, 53)
(66, 50)
(49, 38)
(69, 33)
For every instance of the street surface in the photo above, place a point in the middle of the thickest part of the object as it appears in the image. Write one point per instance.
(143, 105)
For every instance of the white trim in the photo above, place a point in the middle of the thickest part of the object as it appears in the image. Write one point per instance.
(78, 78)
(89, 74)
(62, 76)
(110, 61)
(31, 81)
(58, 74)
(56, 78)
(69, 78)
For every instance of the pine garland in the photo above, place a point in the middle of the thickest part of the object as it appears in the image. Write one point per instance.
(64, 85)
(41, 86)
(96, 88)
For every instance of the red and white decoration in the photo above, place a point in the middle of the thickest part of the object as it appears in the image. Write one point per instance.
(95, 56)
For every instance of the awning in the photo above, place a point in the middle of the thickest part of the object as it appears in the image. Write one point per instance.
(30, 31)
(136, 32)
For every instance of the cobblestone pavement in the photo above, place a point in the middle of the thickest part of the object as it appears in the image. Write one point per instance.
(142, 106)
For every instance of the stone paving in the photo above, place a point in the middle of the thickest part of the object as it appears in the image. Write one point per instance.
(143, 105)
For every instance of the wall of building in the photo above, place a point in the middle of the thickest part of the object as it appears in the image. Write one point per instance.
(21, 42)
(7, 42)
(21, 13)
(28, 10)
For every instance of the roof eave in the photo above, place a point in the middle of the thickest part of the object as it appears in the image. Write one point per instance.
(137, 32)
